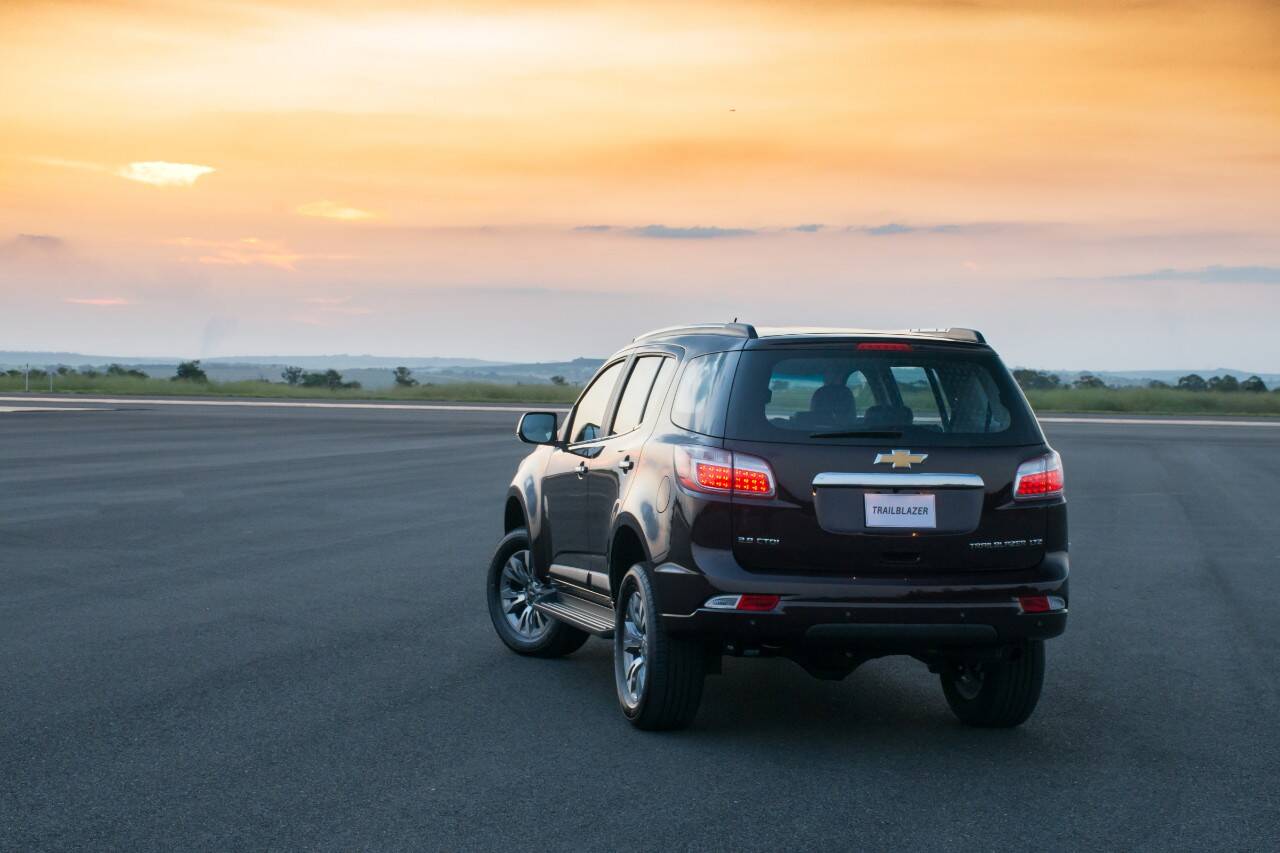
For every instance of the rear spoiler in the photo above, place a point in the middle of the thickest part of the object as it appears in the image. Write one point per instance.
(972, 336)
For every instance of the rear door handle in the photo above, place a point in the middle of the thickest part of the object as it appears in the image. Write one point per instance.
(582, 469)
(626, 464)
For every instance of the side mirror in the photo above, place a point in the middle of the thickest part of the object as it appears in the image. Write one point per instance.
(537, 428)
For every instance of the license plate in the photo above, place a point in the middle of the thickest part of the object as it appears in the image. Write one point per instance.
(901, 511)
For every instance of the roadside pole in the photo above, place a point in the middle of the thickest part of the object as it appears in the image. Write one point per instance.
(26, 383)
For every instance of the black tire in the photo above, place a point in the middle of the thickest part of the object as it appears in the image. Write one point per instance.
(673, 668)
(1005, 692)
(553, 638)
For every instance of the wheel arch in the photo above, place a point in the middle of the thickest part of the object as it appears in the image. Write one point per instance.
(626, 548)
(513, 513)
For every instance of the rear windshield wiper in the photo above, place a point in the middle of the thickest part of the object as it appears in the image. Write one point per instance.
(859, 433)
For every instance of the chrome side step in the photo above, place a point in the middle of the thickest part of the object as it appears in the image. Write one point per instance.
(584, 615)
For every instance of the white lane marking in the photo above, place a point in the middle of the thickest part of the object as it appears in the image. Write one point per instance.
(280, 404)
(1158, 422)
(6, 409)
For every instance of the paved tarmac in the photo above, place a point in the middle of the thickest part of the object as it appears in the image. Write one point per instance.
(264, 628)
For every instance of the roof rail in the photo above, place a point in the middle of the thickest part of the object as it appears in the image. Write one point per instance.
(955, 334)
(739, 330)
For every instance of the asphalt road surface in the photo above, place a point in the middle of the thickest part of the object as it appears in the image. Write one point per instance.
(252, 628)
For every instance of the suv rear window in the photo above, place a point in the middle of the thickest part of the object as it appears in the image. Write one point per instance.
(842, 395)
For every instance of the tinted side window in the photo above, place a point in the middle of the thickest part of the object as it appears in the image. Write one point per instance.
(590, 411)
(702, 394)
(660, 387)
(635, 397)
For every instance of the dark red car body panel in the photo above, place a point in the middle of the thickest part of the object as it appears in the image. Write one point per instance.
(590, 519)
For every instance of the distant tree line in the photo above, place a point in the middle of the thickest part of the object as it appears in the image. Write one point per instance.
(330, 379)
(1043, 380)
(1196, 382)
(88, 372)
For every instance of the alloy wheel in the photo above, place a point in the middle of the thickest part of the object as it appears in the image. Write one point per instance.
(516, 589)
(634, 647)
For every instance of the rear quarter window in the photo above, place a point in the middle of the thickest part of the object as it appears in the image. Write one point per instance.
(703, 393)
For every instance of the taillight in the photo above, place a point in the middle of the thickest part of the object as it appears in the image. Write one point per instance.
(752, 476)
(1039, 478)
(883, 346)
(717, 477)
(715, 471)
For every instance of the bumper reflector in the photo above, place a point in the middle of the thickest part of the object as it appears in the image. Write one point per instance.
(752, 603)
(1041, 603)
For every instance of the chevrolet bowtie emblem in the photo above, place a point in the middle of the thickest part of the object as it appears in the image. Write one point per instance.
(900, 458)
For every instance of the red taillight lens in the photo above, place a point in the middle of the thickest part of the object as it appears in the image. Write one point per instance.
(1039, 478)
(704, 469)
(752, 482)
(1034, 603)
(716, 471)
(718, 477)
(1040, 484)
(1041, 603)
(752, 476)
(884, 346)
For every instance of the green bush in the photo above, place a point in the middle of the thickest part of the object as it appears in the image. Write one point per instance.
(188, 371)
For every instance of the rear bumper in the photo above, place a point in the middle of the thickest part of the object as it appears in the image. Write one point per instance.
(905, 613)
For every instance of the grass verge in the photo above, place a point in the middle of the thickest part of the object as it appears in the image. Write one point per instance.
(1155, 401)
(459, 392)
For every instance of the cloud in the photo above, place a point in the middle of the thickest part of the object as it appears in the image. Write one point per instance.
(885, 230)
(247, 251)
(696, 232)
(1215, 274)
(160, 173)
(45, 244)
(36, 252)
(332, 210)
(891, 229)
(48, 242)
(100, 301)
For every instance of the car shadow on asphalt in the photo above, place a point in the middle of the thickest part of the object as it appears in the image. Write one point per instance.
(888, 705)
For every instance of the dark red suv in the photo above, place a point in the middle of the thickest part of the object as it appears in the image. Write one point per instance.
(828, 495)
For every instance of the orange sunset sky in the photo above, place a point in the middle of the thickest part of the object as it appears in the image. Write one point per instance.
(1094, 184)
